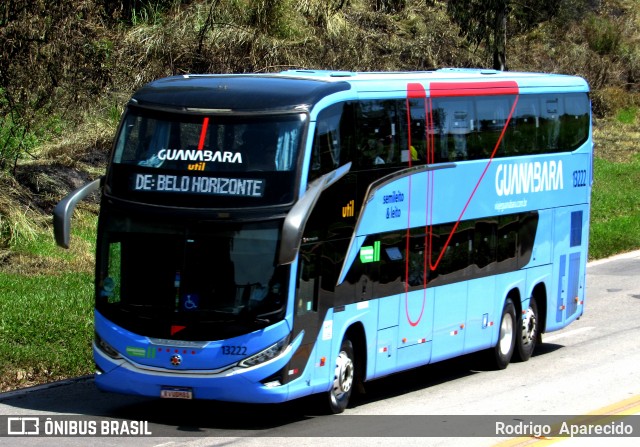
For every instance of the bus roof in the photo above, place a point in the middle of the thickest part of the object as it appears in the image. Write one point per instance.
(249, 92)
(368, 81)
(300, 89)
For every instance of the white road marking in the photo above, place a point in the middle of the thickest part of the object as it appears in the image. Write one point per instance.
(555, 337)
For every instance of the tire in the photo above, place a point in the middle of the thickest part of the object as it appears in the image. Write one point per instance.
(503, 351)
(344, 378)
(527, 332)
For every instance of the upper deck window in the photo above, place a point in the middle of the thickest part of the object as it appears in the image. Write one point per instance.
(210, 142)
(207, 160)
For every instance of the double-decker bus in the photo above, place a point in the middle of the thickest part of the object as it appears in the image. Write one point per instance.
(264, 237)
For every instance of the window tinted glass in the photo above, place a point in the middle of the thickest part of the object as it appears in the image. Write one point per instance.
(209, 143)
(381, 133)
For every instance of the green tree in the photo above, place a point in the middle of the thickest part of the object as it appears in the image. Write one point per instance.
(52, 60)
(489, 22)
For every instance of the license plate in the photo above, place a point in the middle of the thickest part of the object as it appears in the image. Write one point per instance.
(176, 393)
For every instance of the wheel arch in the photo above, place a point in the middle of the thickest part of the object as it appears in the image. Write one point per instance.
(356, 333)
(539, 292)
(515, 296)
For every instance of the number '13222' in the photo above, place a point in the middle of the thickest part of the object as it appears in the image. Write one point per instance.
(579, 178)
(234, 350)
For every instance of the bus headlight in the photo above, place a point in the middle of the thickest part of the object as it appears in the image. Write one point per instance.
(264, 356)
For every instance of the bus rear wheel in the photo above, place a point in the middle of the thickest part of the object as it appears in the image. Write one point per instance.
(527, 332)
(503, 351)
(343, 379)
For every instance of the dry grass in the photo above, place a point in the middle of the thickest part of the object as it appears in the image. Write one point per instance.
(616, 142)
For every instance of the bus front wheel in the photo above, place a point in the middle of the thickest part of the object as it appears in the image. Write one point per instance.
(503, 351)
(343, 379)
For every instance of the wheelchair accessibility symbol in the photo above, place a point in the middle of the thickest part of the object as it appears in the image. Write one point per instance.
(191, 302)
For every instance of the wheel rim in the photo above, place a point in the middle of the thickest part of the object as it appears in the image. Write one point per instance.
(506, 334)
(343, 379)
(529, 327)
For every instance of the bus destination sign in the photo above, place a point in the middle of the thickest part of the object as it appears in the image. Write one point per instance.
(186, 184)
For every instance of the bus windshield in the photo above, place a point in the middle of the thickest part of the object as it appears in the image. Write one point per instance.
(211, 282)
(209, 142)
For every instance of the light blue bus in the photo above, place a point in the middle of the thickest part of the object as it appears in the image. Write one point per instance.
(264, 237)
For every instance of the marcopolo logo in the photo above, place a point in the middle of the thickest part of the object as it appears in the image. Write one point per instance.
(529, 177)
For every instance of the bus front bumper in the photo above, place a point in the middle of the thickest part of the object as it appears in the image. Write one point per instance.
(248, 385)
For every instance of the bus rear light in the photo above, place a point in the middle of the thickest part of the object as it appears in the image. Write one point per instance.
(323, 361)
(271, 352)
(562, 308)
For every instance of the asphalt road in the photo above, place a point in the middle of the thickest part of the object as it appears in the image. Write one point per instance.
(592, 366)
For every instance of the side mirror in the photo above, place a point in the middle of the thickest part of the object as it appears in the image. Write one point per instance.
(64, 210)
(297, 217)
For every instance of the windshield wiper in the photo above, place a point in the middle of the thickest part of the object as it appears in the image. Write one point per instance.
(264, 318)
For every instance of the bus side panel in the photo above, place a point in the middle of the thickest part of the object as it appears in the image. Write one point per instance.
(386, 343)
(415, 327)
(450, 314)
(364, 314)
(416, 317)
(538, 275)
(386, 358)
(481, 314)
(566, 301)
(318, 372)
(414, 355)
(543, 245)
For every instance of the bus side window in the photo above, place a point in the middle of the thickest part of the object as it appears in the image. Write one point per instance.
(526, 237)
(550, 121)
(308, 272)
(507, 246)
(457, 125)
(325, 155)
(492, 117)
(460, 248)
(417, 258)
(574, 121)
(524, 136)
(327, 146)
(381, 134)
(484, 243)
(419, 129)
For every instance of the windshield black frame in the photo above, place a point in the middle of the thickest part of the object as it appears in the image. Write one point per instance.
(207, 159)
(211, 280)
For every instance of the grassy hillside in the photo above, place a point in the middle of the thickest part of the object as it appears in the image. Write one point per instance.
(67, 69)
